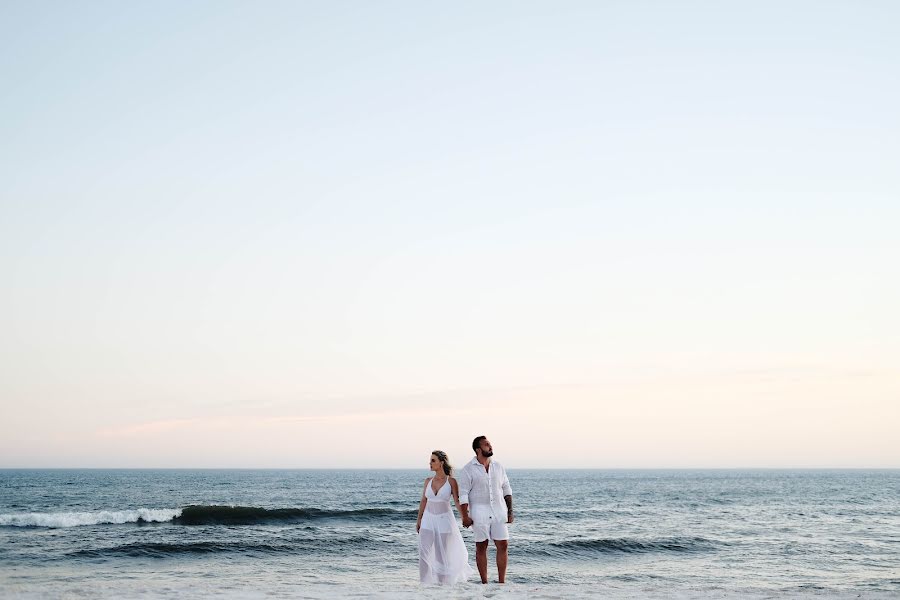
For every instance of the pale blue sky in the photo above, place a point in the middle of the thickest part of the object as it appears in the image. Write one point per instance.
(302, 233)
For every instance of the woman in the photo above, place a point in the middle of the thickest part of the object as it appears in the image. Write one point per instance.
(443, 557)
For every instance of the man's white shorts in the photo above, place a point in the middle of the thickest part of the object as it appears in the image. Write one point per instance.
(487, 526)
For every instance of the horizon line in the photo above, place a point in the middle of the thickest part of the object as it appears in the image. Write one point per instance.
(759, 468)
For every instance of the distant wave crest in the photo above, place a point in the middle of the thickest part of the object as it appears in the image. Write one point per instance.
(193, 515)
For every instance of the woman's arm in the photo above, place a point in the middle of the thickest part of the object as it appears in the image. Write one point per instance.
(454, 489)
(422, 504)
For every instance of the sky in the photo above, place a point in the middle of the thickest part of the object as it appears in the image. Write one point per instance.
(344, 234)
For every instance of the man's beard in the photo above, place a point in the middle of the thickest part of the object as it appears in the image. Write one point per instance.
(487, 454)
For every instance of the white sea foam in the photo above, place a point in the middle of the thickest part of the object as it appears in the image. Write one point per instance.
(76, 519)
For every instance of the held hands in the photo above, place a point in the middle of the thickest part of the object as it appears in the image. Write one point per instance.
(467, 521)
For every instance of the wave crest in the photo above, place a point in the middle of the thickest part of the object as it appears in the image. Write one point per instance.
(275, 547)
(252, 515)
(628, 545)
(78, 519)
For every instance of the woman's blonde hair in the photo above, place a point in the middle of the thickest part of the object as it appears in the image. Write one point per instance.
(445, 462)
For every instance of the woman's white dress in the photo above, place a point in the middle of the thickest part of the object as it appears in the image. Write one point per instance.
(443, 557)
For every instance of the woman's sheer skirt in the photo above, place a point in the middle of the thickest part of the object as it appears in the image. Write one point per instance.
(443, 557)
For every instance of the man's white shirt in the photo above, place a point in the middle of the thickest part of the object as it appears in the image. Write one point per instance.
(483, 489)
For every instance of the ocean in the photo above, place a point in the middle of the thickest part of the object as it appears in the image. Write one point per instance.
(343, 533)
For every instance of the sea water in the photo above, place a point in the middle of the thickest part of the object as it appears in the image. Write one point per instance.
(341, 533)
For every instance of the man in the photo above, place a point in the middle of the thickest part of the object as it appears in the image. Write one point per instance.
(482, 483)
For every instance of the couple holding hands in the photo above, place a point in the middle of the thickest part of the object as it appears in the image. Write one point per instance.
(484, 500)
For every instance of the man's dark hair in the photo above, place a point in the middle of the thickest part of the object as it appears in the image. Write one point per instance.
(476, 443)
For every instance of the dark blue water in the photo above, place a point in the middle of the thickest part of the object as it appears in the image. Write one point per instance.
(309, 533)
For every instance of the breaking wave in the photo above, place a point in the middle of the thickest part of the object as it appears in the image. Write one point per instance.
(194, 515)
(77, 519)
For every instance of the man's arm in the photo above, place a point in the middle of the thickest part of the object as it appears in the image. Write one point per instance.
(507, 497)
(465, 486)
